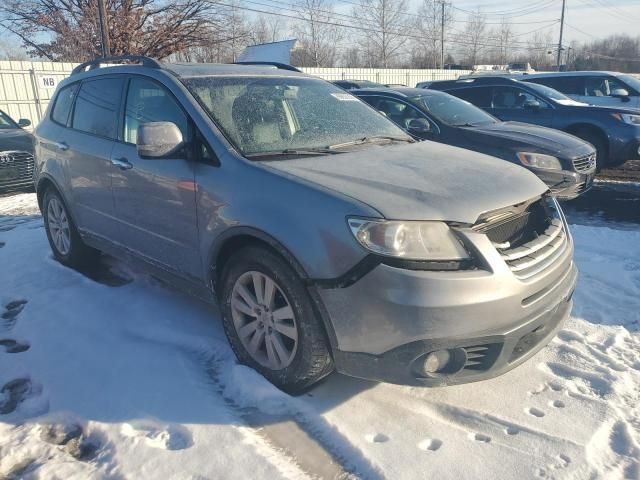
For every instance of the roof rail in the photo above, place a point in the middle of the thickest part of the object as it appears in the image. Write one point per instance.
(96, 62)
(280, 66)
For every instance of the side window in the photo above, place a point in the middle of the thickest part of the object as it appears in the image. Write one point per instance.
(614, 84)
(63, 104)
(97, 104)
(597, 87)
(566, 85)
(398, 112)
(147, 102)
(512, 98)
(479, 96)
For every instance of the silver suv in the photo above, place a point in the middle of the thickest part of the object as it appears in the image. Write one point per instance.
(329, 238)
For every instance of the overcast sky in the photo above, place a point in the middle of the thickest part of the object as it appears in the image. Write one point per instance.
(585, 19)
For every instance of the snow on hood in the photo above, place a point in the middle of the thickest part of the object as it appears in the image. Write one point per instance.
(421, 181)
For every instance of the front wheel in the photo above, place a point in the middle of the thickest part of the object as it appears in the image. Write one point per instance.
(270, 321)
(64, 239)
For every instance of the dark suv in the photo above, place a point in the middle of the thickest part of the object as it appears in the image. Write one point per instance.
(614, 132)
(329, 238)
(564, 162)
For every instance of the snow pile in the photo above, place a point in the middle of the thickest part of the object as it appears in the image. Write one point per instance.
(136, 381)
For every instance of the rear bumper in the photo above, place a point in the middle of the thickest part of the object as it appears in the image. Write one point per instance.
(387, 321)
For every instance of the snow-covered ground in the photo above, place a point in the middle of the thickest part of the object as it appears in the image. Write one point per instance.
(126, 379)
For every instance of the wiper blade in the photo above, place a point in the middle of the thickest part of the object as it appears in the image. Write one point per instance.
(372, 139)
(292, 152)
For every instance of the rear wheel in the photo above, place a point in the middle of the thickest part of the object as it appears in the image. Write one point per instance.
(65, 242)
(270, 321)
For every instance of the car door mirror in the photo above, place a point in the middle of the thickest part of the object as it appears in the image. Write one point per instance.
(158, 139)
(532, 105)
(620, 93)
(418, 126)
(24, 123)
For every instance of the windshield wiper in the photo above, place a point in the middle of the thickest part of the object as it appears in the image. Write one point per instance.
(372, 139)
(292, 152)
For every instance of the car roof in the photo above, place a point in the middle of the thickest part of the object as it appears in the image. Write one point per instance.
(406, 92)
(581, 73)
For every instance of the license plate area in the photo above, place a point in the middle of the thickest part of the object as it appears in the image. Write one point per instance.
(9, 173)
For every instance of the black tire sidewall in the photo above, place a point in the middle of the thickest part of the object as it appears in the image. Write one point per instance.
(312, 343)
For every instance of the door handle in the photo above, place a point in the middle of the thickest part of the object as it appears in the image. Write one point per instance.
(122, 163)
(61, 146)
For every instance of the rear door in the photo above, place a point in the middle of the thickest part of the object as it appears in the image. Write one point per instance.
(155, 198)
(85, 151)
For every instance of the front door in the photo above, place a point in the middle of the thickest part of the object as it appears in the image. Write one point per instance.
(155, 198)
(516, 104)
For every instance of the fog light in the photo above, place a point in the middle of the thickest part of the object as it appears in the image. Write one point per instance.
(436, 361)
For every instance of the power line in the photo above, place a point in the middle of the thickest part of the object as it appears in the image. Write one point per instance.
(507, 12)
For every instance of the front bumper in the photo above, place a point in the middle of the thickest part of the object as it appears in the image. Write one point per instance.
(386, 322)
(565, 184)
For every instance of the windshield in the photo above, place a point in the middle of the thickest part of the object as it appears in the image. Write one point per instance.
(272, 114)
(454, 111)
(632, 81)
(6, 123)
(549, 93)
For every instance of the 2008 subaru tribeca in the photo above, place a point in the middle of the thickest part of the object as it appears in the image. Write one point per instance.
(329, 238)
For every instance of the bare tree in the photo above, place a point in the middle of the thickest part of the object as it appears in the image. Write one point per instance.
(266, 29)
(502, 36)
(474, 39)
(317, 33)
(539, 47)
(352, 57)
(9, 50)
(68, 29)
(429, 25)
(386, 25)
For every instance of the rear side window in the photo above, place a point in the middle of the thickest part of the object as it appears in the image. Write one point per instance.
(566, 85)
(97, 104)
(149, 102)
(62, 106)
(479, 96)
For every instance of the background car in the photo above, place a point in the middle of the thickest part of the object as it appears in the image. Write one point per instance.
(614, 132)
(16, 153)
(564, 162)
(595, 88)
(351, 84)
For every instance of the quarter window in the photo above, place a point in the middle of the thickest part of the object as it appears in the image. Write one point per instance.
(62, 106)
(149, 102)
(96, 109)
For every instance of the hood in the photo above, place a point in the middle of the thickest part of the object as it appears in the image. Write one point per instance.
(16, 139)
(518, 135)
(420, 181)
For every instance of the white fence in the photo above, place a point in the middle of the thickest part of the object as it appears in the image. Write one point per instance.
(408, 77)
(27, 87)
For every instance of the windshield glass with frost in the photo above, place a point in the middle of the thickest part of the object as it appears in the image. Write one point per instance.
(272, 114)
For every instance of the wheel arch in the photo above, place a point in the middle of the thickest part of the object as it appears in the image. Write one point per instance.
(590, 128)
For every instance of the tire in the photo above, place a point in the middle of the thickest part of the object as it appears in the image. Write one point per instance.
(601, 146)
(306, 359)
(57, 222)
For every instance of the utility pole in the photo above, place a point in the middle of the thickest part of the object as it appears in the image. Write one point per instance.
(442, 37)
(104, 29)
(561, 32)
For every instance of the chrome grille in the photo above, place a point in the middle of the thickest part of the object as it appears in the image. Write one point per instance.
(585, 164)
(23, 161)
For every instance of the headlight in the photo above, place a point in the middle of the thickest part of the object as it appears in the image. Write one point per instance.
(628, 118)
(539, 160)
(431, 241)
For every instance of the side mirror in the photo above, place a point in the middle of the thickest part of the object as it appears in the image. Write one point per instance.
(532, 104)
(24, 123)
(418, 126)
(620, 93)
(158, 139)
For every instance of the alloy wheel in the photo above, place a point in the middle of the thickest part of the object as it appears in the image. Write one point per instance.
(59, 228)
(264, 320)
